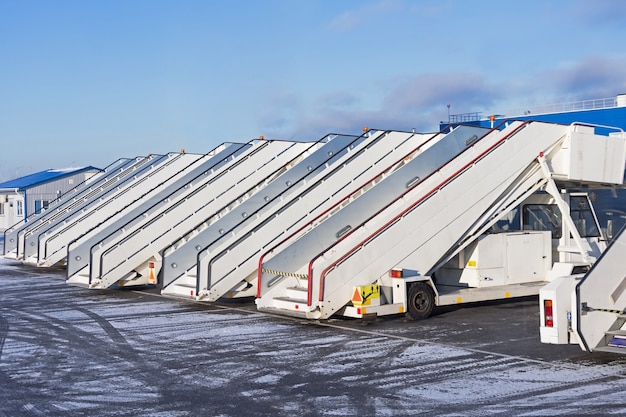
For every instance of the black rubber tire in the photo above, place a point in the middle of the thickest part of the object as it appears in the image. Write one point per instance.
(420, 301)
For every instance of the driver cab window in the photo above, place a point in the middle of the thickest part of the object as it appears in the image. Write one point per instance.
(583, 217)
(545, 217)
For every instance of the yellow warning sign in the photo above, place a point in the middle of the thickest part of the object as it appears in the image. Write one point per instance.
(366, 295)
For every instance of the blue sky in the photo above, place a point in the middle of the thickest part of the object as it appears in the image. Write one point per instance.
(88, 82)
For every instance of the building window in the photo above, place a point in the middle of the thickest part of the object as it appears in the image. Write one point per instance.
(41, 204)
(19, 208)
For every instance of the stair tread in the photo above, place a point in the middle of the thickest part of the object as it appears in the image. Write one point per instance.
(303, 289)
(618, 332)
(610, 349)
(291, 300)
(183, 284)
(282, 312)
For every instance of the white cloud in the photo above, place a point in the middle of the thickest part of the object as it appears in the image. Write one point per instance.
(420, 101)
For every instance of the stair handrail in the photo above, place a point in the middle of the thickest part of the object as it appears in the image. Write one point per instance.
(616, 128)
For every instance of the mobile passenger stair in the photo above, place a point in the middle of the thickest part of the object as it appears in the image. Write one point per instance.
(130, 253)
(67, 202)
(180, 259)
(589, 309)
(388, 245)
(145, 186)
(228, 267)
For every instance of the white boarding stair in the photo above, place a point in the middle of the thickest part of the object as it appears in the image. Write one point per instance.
(136, 246)
(34, 241)
(181, 258)
(69, 202)
(217, 223)
(416, 231)
(60, 204)
(292, 260)
(53, 248)
(599, 302)
(230, 269)
(79, 257)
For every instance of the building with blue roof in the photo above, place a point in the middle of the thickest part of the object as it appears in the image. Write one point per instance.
(29, 195)
(607, 114)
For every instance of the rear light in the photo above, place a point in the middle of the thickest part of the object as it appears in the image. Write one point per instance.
(395, 273)
(547, 313)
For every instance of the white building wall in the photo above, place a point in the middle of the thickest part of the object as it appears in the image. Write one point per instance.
(9, 212)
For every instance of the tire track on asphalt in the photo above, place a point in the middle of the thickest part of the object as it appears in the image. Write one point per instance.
(486, 404)
(72, 344)
(364, 331)
(482, 406)
(182, 392)
(20, 396)
(4, 330)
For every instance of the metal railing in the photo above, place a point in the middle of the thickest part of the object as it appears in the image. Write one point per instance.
(601, 103)
(465, 117)
(595, 104)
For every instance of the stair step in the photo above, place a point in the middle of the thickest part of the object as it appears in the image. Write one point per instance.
(180, 291)
(618, 339)
(296, 293)
(290, 304)
(32, 261)
(186, 281)
(619, 333)
(81, 279)
(610, 349)
(283, 312)
(185, 286)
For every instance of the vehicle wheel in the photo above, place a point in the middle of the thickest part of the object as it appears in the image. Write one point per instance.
(420, 301)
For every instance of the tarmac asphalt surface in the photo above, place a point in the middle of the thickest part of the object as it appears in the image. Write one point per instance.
(70, 351)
